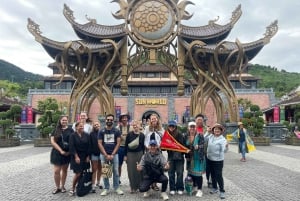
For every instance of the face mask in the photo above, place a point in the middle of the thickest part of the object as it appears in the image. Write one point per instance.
(109, 123)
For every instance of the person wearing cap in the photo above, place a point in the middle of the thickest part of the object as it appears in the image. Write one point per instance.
(217, 146)
(176, 161)
(195, 159)
(240, 135)
(153, 131)
(153, 164)
(125, 128)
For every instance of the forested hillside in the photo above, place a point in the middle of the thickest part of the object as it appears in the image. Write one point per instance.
(281, 81)
(13, 73)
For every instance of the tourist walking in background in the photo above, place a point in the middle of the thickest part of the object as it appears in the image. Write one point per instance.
(153, 164)
(153, 131)
(109, 139)
(176, 161)
(217, 146)
(80, 150)
(134, 150)
(196, 162)
(95, 156)
(124, 128)
(60, 157)
(240, 135)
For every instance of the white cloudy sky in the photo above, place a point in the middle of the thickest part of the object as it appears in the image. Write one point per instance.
(18, 46)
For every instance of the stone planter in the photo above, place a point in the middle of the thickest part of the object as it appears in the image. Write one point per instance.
(292, 141)
(261, 141)
(11, 142)
(42, 142)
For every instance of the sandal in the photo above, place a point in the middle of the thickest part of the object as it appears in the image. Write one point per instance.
(56, 190)
(63, 190)
(71, 193)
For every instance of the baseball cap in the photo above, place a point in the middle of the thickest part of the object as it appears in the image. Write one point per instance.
(192, 123)
(152, 142)
(172, 123)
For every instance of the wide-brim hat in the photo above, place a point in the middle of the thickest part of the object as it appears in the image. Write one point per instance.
(122, 115)
(220, 126)
(240, 123)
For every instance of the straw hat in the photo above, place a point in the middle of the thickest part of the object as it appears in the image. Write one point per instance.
(220, 126)
(240, 123)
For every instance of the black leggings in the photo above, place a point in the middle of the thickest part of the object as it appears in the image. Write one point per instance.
(216, 169)
(197, 181)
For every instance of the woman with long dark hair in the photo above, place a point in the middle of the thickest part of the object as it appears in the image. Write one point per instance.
(60, 157)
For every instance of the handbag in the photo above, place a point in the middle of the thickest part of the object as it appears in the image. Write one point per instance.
(107, 169)
(134, 143)
(65, 144)
(84, 185)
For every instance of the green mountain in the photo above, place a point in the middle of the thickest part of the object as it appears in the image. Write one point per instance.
(282, 82)
(14, 73)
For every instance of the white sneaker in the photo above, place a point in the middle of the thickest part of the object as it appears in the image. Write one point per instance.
(164, 196)
(180, 192)
(119, 191)
(146, 194)
(172, 192)
(104, 192)
(199, 194)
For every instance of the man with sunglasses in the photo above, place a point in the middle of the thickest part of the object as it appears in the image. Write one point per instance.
(109, 140)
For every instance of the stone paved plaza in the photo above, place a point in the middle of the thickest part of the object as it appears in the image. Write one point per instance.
(270, 173)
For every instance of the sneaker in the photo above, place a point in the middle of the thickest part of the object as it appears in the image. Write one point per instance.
(199, 194)
(222, 195)
(146, 194)
(195, 189)
(172, 192)
(214, 190)
(104, 192)
(93, 190)
(164, 196)
(180, 192)
(119, 191)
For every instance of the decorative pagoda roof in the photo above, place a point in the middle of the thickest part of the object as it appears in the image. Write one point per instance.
(54, 48)
(211, 33)
(92, 30)
(251, 49)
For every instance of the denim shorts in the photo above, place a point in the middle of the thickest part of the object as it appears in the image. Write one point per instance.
(95, 157)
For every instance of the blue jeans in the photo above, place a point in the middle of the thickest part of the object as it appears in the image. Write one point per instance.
(116, 178)
(176, 175)
(242, 147)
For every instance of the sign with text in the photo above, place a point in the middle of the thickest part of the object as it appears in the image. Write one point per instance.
(150, 101)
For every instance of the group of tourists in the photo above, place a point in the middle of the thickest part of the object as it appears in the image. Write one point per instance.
(86, 146)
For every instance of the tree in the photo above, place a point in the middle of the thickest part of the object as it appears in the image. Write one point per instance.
(253, 120)
(50, 115)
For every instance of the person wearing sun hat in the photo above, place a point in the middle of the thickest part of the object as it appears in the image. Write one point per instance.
(217, 146)
(125, 128)
(241, 134)
(176, 161)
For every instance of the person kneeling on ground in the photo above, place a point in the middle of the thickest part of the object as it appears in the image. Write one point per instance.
(153, 164)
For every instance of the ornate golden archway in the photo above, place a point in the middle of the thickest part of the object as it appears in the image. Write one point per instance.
(153, 33)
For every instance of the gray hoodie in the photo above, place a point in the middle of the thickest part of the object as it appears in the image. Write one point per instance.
(216, 148)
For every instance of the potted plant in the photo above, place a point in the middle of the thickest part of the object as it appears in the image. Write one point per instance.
(50, 115)
(8, 120)
(255, 123)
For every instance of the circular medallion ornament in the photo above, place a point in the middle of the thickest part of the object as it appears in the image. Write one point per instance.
(153, 23)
